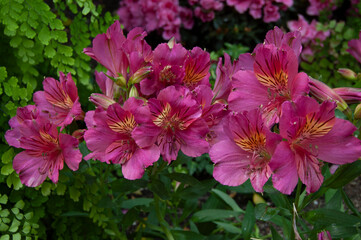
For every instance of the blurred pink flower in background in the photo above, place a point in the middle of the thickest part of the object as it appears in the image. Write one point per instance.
(355, 48)
(310, 36)
(316, 6)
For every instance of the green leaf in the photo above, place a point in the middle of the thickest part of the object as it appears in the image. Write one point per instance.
(183, 178)
(8, 156)
(275, 235)
(264, 212)
(16, 236)
(3, 199)
(186, 235)
(46, 188)
(229, 227)
(57, 24)
(342, 231)
(74, 193)
(29, 215)
(14, 225)
(7, 169)
(44, 35)
(4, 213)
(49, 51)
(5, 237)
(130, 203)
(15, 210)
(209, 215)
(20, 204)
(344, 175)
(158, 187)
(330, 216)
(75, 214)
(248, 221)
(227, 199)
(3, 76)
(60, 189)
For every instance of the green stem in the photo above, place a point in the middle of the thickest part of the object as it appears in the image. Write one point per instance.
(298, 193)
(161, 220)
(159, 214)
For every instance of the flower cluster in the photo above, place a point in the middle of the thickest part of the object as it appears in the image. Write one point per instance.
(269, 8)
(165, 15)
(258, 122)
(311, 37)
(35, 129)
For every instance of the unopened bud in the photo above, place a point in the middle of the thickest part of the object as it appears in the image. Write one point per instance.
(133, 92)
(347, 73)
(357, 113)
(257, 199)
(121, 81)
(100, 100)
(171, 42)
(324, 235)
(322, 92)
(140, 74)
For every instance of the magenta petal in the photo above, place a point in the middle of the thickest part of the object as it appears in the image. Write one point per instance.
(283, 165)
(259, 178)
(27, 166)
(309, 171)
(249, 93)
(142, 158)
(193, 139)
(230, 163)
(71, 153)
(299, 85)
(339, 146)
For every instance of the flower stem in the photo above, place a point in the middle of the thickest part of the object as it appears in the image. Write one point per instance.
(298, 193)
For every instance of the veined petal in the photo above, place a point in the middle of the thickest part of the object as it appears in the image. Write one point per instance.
(283, 165)
(230, 163)
(339, 146)
(27, 166)
(141, 159)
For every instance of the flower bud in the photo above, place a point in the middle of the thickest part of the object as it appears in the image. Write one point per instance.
(324, 235)
(140, 74)
(171, 42)
(133, 92)
(322, 92)
(348, 94)
(347, 73)
(357, 113)
(258, 199)
(100, 100)
(121, 81)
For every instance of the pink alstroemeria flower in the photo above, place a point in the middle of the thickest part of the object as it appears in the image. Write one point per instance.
(168, 68)
(197, 68)
(109, 137)
(278, 38)
(274, 80)
(246, 153)
(59, 100)
(46, 150)
(176, 125)
(313, 134)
